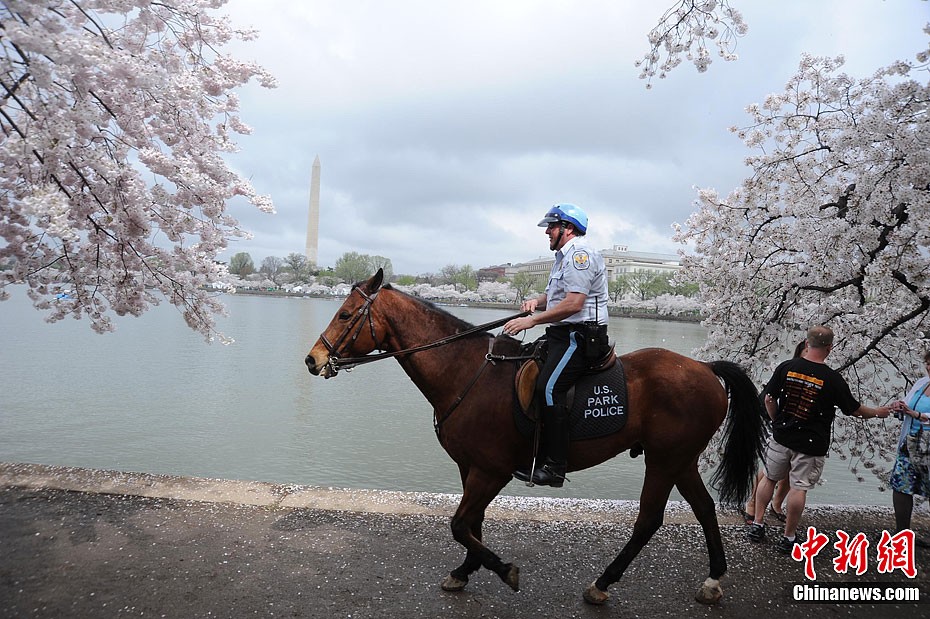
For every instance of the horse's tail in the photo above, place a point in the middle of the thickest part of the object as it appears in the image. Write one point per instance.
(743, 435)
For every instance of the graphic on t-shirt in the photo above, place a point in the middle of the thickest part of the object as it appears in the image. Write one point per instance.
(800, 392)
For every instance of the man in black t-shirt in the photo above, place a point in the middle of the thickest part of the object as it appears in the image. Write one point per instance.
(801, 398)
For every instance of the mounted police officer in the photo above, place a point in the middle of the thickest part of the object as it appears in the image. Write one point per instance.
(575, 307)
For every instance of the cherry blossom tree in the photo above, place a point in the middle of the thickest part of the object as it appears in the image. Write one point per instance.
(498, 292)
(114, 117)
(833, 227)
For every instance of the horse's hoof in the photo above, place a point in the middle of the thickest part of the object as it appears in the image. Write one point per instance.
(593, 595)
(710, 592)
(512, 576)
(451, 583)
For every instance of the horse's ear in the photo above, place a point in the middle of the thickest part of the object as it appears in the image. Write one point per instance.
(374, 284)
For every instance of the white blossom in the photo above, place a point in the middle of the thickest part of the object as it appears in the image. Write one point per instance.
(833, 227)
(115, 114)
(684, 31)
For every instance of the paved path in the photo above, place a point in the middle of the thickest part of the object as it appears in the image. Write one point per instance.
(87, 543)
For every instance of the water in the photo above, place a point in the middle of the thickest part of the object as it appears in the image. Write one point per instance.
(153, 397)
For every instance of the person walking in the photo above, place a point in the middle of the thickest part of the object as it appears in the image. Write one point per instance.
(777, 507)
(911, 474)
(801, 398)
(575, 307)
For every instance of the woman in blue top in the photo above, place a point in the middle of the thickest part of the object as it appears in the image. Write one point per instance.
(910, 475)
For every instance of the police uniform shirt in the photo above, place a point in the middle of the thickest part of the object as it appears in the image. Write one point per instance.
(578, 268)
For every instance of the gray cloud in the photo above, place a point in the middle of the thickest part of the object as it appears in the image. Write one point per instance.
(445, 142)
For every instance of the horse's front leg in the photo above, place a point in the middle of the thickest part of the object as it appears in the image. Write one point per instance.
(457, 580)
(480, 488)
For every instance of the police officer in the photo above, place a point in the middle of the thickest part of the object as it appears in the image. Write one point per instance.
(575, 305)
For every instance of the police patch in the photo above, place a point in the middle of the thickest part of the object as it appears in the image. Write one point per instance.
(581, 260)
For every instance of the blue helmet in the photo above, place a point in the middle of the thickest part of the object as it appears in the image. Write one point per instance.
(568, 213)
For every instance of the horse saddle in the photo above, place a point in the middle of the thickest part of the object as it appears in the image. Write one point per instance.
(597, 403)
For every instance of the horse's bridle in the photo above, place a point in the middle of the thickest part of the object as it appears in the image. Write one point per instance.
(354, 328)
(357, 324)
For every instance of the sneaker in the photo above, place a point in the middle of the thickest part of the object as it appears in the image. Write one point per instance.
(785, 545)
(756, 533)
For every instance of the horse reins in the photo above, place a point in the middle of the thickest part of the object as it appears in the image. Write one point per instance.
(336, 363)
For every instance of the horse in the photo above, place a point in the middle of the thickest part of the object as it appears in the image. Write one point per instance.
(676, 405)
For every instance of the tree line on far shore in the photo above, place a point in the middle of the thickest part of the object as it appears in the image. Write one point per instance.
(297, 270)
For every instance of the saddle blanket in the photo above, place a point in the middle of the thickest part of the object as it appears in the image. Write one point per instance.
(598, 405)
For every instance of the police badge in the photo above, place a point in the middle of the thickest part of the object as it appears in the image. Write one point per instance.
(581, 260)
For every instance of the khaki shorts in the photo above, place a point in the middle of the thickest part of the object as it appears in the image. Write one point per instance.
(802, 470)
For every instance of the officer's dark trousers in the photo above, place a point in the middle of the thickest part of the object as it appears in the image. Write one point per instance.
(565, 363)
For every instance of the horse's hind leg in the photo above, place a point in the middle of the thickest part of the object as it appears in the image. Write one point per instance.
(694, 491)
(654, 497)
(479, 490)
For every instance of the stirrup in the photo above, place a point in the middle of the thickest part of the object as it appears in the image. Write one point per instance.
(548, 475)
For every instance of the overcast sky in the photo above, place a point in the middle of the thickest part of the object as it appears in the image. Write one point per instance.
(446, 129)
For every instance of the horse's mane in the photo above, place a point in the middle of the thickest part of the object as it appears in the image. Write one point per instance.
(455, 323)
(453, 320)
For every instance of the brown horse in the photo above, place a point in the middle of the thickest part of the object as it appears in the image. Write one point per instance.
(675, 406)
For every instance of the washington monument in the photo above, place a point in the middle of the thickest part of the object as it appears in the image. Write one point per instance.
(313, 217)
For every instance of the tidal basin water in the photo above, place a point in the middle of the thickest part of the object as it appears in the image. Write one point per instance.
(154, 397)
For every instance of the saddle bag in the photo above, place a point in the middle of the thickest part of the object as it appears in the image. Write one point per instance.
(596, 342)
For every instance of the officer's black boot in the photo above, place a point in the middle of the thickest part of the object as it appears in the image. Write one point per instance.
(523, 473)
(555, 437)
(552, 473)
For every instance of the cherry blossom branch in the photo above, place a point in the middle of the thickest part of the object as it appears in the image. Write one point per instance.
(685, 30)
(100, 30)
(101, 111)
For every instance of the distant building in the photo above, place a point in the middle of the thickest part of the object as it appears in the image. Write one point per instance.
(538, 269)
(492, 274)
(618, 260)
